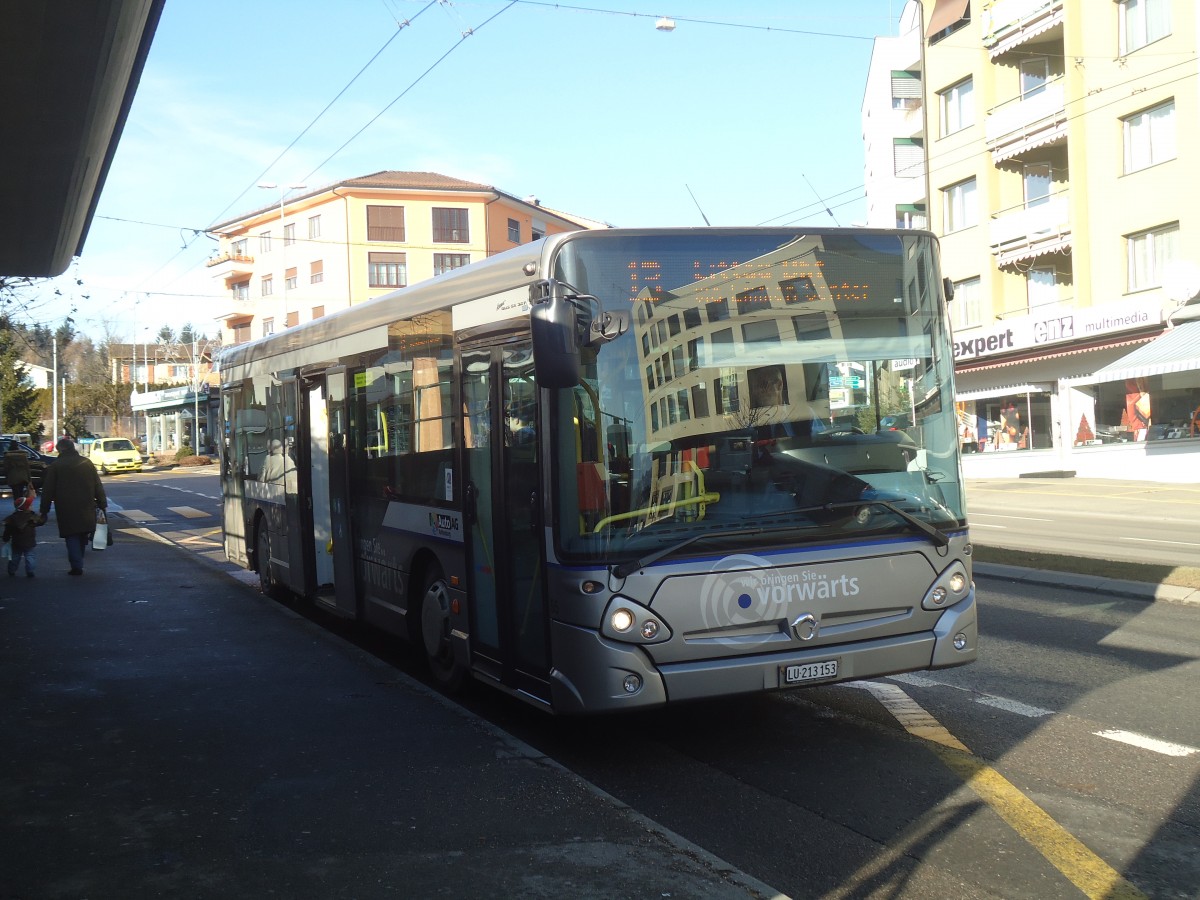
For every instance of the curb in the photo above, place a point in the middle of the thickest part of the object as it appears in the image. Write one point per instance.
(1137, 590)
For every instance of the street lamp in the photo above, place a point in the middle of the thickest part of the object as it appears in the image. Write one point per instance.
(283, 192)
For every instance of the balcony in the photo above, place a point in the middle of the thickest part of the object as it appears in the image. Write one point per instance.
(230, 265)
(233, 309)
(1009, 23)
(1032, 230)
(1022, 124)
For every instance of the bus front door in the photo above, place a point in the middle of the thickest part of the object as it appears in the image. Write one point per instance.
(507, 599)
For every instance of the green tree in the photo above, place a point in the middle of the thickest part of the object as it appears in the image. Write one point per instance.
(19, 407)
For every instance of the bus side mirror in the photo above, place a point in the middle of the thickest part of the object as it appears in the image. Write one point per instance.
(948, 288)
(553, 328)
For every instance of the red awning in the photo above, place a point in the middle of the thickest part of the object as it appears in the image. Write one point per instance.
(945, 14)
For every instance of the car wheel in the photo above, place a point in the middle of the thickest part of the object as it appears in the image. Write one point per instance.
(435, 633)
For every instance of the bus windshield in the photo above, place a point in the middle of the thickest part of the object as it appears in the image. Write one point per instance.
(772, 389)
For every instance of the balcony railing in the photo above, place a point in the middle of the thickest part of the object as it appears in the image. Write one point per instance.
(1010, 23)
(1024, 123)
(1032, 230)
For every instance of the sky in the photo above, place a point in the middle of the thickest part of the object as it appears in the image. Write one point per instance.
(747, 113)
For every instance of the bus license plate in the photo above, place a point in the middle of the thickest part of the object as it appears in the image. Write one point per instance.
(813, 671)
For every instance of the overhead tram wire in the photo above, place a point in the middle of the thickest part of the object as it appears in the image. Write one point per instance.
(462, 39)
(401, 25)
(196, 234)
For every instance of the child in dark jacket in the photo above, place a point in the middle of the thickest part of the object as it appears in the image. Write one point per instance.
(19, 528)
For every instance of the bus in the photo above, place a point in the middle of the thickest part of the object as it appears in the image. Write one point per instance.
(614, 469)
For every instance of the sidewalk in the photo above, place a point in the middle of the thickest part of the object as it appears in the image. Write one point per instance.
(1135, 590)
(167, 731)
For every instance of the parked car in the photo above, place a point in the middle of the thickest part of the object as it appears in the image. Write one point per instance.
(37, 461)
(111, 454)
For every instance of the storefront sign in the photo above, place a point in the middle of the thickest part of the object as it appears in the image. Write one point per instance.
(1060, 326)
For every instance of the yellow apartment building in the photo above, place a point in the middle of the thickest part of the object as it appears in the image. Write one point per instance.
(1060, 142)
(306, 253)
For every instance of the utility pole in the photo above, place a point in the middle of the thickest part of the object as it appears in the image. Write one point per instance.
(54, 390)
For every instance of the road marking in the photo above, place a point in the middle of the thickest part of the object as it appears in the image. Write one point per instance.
(190, 512)
(1192, 544)
(1004, 703)
(1083, 868)
(976, 515)
(1166, 748)
(138, 516)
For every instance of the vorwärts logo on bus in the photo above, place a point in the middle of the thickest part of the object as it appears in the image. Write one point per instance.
(744, 590)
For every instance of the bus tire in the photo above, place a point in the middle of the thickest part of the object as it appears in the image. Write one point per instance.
(435, 632)
(262, 557)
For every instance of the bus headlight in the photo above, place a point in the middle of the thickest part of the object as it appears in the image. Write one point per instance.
(627, 621)
(949, 588)
(621, 620)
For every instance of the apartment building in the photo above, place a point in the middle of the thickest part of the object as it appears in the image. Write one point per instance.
(1060, 142)
(311, 252)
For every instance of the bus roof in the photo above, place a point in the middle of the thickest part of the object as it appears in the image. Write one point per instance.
(363, 327)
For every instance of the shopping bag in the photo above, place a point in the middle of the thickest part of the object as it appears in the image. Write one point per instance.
(100, 537)
(6, 552)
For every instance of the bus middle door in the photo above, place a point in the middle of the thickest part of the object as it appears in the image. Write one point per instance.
(502, 456)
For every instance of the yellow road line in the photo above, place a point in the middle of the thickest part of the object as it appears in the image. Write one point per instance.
(1087, 871)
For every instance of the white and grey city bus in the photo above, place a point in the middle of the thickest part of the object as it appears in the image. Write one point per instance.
(613, 469)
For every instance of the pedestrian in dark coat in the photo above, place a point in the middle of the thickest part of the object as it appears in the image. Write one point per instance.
(73, 485)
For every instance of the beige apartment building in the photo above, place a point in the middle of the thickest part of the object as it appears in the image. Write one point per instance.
(1060, 142)
(311, 252)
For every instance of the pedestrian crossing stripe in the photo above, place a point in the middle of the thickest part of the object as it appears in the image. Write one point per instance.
(189, 512)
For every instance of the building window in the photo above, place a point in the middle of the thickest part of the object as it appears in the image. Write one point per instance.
(238, 249)
(444, 262)
(960, 206)
(289, 234)
(537, 230)
(318, 311)
(1149, 137)
(241, 290)
(241, 333)
(514, 231)
(450, 226)
(264, 242)
(179, 371)
(966, 310)
(958, 107)
(385, 223)
(387, 270)
(316, 272)
(1143, 22)
(1041, 284)
(908, 155)
(1035, 75)
(292, 320)
(906, 90)
(289, 279)
(268, 326)
(1037, 179)
(1148, 253)
(314, 227)
(267, 285)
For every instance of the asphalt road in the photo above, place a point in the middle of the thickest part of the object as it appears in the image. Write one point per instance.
(1065, 761)
(1097, 518)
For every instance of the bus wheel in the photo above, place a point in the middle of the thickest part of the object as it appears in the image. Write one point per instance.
(435, 632)
(266, 581)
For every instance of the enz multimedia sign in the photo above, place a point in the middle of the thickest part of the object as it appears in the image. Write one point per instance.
(1060, 326)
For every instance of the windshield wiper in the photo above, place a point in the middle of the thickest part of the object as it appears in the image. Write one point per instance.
(622, 570)
(936, 535)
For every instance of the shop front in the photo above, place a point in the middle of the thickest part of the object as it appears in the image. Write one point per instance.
(167, 419)
(1102, 392)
